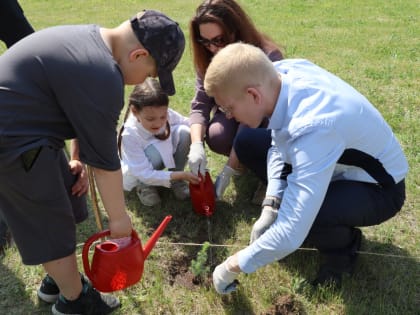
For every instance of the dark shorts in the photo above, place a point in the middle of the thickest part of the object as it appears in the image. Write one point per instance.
(37, 205)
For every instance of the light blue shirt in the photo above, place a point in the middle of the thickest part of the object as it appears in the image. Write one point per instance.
(322, 130)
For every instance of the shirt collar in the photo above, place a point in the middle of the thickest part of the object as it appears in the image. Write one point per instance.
(280, 110)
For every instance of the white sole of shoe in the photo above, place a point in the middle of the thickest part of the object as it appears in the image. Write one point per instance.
(47, 298)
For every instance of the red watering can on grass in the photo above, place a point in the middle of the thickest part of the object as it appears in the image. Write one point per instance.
(202, 195)
(116, 267)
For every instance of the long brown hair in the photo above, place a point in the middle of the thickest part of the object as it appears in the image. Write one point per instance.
(236, 26)
(148, 93)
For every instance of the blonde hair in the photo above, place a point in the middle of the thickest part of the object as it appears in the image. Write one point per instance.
(237, 67)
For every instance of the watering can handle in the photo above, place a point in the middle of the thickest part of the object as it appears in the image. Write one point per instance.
(88, 244)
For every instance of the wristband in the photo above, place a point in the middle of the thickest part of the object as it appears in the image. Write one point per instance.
(271, 202)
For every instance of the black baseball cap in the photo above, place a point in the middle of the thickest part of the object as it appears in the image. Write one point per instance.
(164, 40)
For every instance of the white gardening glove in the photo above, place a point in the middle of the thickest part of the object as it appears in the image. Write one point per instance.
(223, 180)
(267, 217)
(197, 158)
(224, 281)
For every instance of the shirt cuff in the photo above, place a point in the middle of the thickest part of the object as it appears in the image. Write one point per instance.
(276, 187)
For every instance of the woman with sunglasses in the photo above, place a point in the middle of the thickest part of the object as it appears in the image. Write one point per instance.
(216, 24)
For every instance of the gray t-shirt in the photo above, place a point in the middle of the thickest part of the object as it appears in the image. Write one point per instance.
(61, 83)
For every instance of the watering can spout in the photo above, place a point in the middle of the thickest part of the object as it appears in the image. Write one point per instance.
(155, 236)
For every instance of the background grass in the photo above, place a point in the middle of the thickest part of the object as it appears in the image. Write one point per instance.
(372, 44)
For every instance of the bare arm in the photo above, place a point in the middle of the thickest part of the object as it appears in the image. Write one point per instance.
(111, 191)
(74, 149)
(233, 161)
(197, 132)
(80, 187)
(188, 176)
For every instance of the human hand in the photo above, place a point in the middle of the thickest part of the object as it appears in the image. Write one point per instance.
(187, 176)
(80, 187)
(267, 217)
(224, 280)
(191, 178)
(120, 227)
(197, 158)
(223, 180)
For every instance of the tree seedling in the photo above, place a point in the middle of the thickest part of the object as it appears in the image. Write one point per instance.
(198, 266)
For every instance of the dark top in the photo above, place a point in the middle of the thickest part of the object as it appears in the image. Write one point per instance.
(56, 84)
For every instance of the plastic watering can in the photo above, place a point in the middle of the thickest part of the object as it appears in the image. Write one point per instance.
(116, 267)
(203, 197)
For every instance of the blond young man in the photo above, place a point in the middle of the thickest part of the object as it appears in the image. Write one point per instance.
(334, 163)
(67, 82)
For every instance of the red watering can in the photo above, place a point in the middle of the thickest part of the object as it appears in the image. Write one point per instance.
(202, 195)
(116, 267)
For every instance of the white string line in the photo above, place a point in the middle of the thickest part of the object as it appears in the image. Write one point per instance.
(300, 249)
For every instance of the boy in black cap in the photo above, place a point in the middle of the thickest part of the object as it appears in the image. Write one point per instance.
(67, 82)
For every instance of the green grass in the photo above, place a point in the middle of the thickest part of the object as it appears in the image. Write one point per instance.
(374, 45)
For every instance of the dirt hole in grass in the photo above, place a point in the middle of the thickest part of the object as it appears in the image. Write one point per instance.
(285, 305)
(180, 274)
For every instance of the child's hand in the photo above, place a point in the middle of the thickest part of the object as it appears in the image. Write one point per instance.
(191, 177)
(81, 185)
(188, 176)
(121, 226)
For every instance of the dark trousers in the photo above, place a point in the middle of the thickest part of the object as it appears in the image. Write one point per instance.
(251, 147)
(349, 204)
(13, 23)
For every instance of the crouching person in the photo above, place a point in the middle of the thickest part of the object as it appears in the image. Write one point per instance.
(334, 165)
(154, 145)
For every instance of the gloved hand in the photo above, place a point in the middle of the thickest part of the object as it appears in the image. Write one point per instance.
(224, 281)
(197, 158)
(267, 217)
(223, 180)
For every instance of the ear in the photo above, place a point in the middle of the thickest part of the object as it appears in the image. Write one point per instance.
(134, 110)
(137, 53)
(255, 94)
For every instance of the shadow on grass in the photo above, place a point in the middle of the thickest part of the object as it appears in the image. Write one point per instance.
(380, 285)
(14, 297)
(383, 284)
(237, 304)
(386, 280)
(188, 227)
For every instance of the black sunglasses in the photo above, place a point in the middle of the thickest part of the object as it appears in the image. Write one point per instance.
(218, 41)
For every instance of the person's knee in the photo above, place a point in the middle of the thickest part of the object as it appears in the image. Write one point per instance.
(184, 135)
(154, 157)
(218, 140)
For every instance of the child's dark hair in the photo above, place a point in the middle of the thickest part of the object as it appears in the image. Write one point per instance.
(148, 93)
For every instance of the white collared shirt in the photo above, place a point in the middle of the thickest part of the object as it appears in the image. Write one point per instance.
(134, 162)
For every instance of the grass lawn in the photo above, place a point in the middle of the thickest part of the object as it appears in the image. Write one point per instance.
(372, 44)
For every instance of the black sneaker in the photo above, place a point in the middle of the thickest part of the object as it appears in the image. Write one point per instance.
(90, 302)
(48, 291)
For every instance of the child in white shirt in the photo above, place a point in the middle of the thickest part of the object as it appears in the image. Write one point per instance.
(154, 143)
